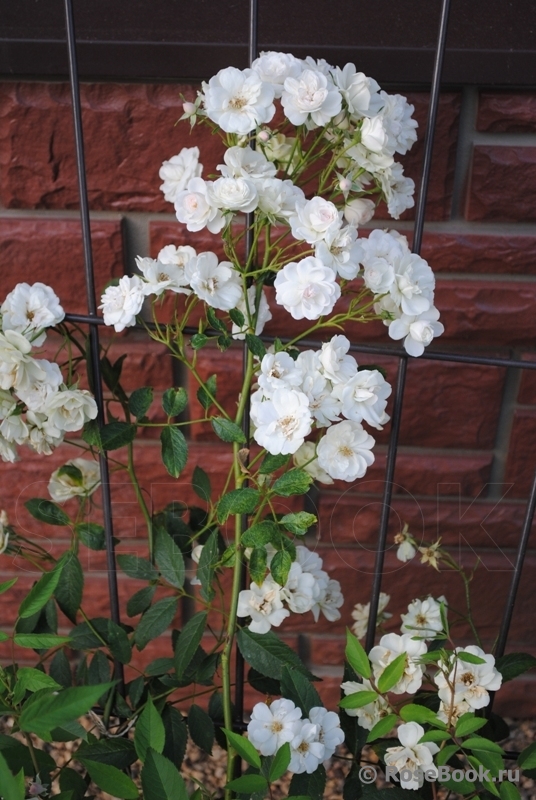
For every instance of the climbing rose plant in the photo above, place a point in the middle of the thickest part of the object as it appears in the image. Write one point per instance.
(309, 153)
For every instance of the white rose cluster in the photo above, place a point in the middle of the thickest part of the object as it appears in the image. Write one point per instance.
(465, 686)
(308, 588)
(36, 407)
(312, 739)
(325, 389)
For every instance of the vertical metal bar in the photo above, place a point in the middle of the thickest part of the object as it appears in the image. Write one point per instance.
(92, 310)
(401, 379)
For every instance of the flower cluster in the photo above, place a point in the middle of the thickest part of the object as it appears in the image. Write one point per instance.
(312, 740)
(37, 408)
(307, 588)
(319, 388)
(465, 686)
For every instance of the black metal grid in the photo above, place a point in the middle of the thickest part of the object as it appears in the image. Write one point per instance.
(94, 322)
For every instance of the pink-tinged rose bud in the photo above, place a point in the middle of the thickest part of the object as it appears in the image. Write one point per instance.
(359, 211)
(345, 185)
(189, 108)
(35, 789)
(263, 136)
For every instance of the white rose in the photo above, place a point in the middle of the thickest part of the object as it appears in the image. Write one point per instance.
(373, 134)
(195, 209)
(31, 309)
(282, 422)
(307, 288)
(305, 458)
(218, 284)
(315, 220)
(344, 451)
(69, 409)
(311, 99)
(120, 304)
(238, 100)
(359, 211)
(177, 172)
(275, 68)
(77, 478)
(361, 93)
(234, 194)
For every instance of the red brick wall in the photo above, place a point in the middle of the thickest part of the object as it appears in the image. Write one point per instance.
(468, 433)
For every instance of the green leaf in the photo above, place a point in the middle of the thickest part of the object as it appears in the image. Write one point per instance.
(258, 562)
(480, 743)
(12, 785)
(358, 699)
(91, 433)
(169, 559)
(71, 472)
(509, 791)
(41, 592)
(382, 727)
(237, 317)
(161, 780)
(174, 450)
(92, 535)
(296, 687)
(51, 711)
(416, 713)
(174, 401)
(18, 757)
(214, 321)
(111, 780)
(7, 585)
(137, 567)
(199, 340)
(204, 394)
(311, 786)
(243, 747)
(298, 523)
(60, 669)
(149, 731)
(514, 664)
(527, 758)
(46, 511)
(470, 658)
(155, 621)
(468, 723)
(207, 562)
(201, 484)
(445, 754)
(356, 656)
(188, 642)
(73, 783)
(140, 401)
(435, 736)
(201, 728)
(392, 673)
(272, 463)
(280, 763)
(120, 753)
(238, 501)
(176, 735)
(248, 784)
(227, 430)
(84, 638)
(255, 345)
(295, 481)
(117, 434)
(31, 680)
(69, 590)
(40, 641)
(267, 654)
(140, 601)
(280, 567)
(259, 534)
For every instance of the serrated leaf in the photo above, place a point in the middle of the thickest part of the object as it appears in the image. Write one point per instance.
(298, 523)
(199, 340)
(60, 669)
(509, 791)
(445, 754)
(259, 534)
(174, 401)
(140, 401)
(117, 434)
(46, 511)
(356, 656)
(392, 673)
(227, 431)
(514, 664)
(161, 780)
(296, 687)
(382, 727)
(140, 601)
(137, 567)
(358, 699)
(238, 501)
(92, 535)
(169, 559)
(417, 713)
(12, 785)
(280, 567)
(527, 758)
(243, 747)
(295, 481)
(84, 637)
(480, 743)
(174, 450)
(31, 680)
(268, 654)
(40, 641)
(120, 753)
(201, 728)
(470, 658)
(111, 780)
(71, 472)
(91, 433)
(272, 463)
(176, 735)
(214, 321)
(248, 784)
(73, 783)
(155, 621)
(201, 484)
(258, 563)
(468, 723)
(207, 562)
(51, 711)
(435, 736)
(149, 731)
(204, 395)
(255, 345)
(70, 588)
(41, 592)
(237, 317)
(188, 642)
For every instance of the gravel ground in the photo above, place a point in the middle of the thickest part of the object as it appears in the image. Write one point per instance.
(210, 770)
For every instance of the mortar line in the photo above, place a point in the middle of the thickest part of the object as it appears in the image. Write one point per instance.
(505, 423)
(464, 150)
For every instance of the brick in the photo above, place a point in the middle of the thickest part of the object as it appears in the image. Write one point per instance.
(527, 388)
(442, 172)
(521, 462)
(129, 129)
(506, 113)
(46, 250)
(503, 182)
(472, 253)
